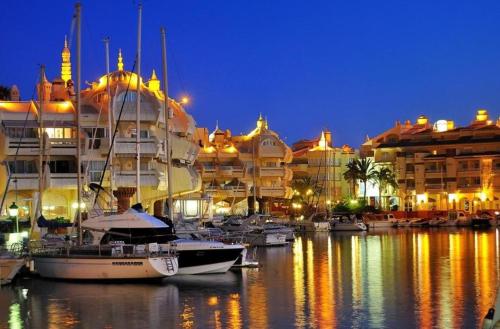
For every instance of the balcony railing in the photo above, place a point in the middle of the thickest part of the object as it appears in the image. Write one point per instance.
(24, 181)
(127, 146)
(272, 171)
(128, 178)
(27, 146)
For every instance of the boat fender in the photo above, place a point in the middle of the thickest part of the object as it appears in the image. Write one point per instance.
(488, 319)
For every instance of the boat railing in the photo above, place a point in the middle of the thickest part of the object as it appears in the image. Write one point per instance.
(67, 248)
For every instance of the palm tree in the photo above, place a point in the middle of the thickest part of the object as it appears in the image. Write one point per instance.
(305, 191)
(384, 177)
(365, 172)
(351, 175)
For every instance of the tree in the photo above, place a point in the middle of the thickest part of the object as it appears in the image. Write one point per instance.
(383, 177)
(365, 170)
(351, 175)
(4, 93)
(305, 191)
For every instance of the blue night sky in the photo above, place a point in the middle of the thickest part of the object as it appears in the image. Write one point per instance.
(351, 66)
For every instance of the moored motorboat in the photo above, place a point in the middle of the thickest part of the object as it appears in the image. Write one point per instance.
(259, 237)
(281, 229)
(418, 222)
(380, 221)
(196, 256)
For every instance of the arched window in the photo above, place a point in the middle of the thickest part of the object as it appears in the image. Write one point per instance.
(268, 142)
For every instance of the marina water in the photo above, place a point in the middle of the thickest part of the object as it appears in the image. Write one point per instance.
(397, 278)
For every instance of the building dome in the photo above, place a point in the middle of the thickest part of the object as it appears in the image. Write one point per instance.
(422, 120)
(481, 115)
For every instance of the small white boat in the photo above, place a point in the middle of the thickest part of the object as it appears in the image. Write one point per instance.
(271, 227)
(437, 221)
(448, 223)
(321, 226)
(460, 217)
(344, 223)
(105, 262)
(381, 221)
(418, 222)
(261, 238)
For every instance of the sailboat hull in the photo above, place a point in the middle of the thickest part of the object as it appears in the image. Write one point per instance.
(105, 268)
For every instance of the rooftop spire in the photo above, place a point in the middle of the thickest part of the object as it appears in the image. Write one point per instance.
(66, 62)
(120, 60)
(154, 83)
(260, 121)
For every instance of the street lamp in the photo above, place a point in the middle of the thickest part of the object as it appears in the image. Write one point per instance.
(13, 213)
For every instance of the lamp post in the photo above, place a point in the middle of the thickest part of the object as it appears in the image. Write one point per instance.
(13, 213)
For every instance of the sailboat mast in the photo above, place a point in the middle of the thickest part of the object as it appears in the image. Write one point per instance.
(78, 123)
(138, 106)
(254, 172)
(168, 146)
(110, 125)
(41, 141)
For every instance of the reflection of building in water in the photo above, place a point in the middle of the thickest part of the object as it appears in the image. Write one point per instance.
(484, 267)
(298, 283)
(423, 287)
(374, 277)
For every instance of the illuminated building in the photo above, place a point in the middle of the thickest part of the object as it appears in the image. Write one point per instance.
(233, 167)
(441, 167)
(20, 135)
(324, 165)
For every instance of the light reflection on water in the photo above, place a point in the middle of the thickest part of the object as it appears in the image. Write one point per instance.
(396, 278)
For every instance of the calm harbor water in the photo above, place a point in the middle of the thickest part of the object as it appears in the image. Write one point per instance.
(382, 279)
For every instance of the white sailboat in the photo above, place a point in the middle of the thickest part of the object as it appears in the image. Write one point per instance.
(99, 262)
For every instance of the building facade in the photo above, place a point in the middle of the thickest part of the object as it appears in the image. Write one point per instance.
(323, 166)
(442, 167)
(38, 144)
(243, 173)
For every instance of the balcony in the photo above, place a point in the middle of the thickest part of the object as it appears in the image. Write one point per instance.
(473, 170)
(24, 181)
(128, 178)
(435, 186)
(208, 171)
(27, 146)
(235, 191)
(63, 146)
(63, 180)
(126, 146)
(230, 171)
(271, 171)
(270, 191)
